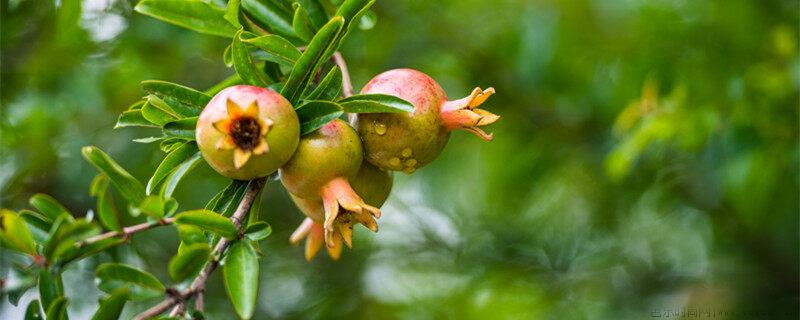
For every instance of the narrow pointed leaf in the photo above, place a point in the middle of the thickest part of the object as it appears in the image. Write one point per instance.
(171, 161)
(142, 285)
(183, 129)
(50, 288)
(181, 93)
(65, 237)
(226, 201)
(271, 15)
(315, 114)
(277, 48)
(208, 220)
(111, 307)
(128, 186)
(315, 55)
(197, 15)
(243, 62)
(375, 103)
(155, 115)
(302, 24)
(171, 183)
(189, 261)
(132, 118)
(316, 12)
(240, 273)
(351, 11)
(49, 206)
(329, 87)
(38, 225)
(57, 310)
(232, 13)
(106, 211)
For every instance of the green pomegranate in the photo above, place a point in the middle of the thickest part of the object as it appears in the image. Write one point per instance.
(372, 183)
(247, 132)
(321, 170)
(408, 141)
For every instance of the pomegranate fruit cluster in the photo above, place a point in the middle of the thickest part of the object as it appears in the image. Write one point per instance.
(340, 174)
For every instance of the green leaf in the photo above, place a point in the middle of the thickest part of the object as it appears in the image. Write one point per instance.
(170, 163)
(375, 103)
(106, 211)
(182, 129)
(243, 62)
(132, 118)
(190, 234)
(302, 24)
(171, 183)
(37, 224)
(128, 186)
(316, 12)
(57, 310)
(228, 199)
(111, 307)
(50, 288)
(152, 206)
(329, 87)
(181, 93)
(351, 11)
(142, 285)
(32, 312)
(232, 13)
(76, 253)
(165, 109)
(49, 206)
(258, 231)
(155, 115)
(271, 15)
(14, 233)
(315, 114)
(240, 273)
(315, 55)
(208, 220)
(65, 237)
(196, 15)
(189, 261)
(277, 48)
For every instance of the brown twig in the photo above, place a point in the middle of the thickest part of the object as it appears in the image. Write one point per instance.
(347, 85)
(198, 285)
(126, 232)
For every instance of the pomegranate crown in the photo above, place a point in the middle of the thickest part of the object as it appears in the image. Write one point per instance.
(464, 113)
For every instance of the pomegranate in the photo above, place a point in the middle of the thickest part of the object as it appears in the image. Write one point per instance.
(370, 182)
(408, 141)
(321, 169)
(247, 132)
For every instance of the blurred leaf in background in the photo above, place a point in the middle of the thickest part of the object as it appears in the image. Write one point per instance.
(647, 159)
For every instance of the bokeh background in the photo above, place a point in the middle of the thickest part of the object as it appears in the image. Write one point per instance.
(646, 162)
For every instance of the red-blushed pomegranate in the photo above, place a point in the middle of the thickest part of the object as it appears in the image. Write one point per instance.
(246, 132)
(372, 183)
(321, 169)
(407, 141)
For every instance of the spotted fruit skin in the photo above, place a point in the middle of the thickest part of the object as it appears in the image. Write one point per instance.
(333, 151)
(404, 141)
(281, 138)
(408, 141)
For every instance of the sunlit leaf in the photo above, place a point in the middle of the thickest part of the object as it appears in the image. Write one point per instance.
(14, 233)
(232, 13)
(197, 15)
(170, 163)
(106, 211)
(243, 62)
(276, 48)
(182, 129)
(133, 118)
(184, 94)
(49, 207)
(258, 231)
(302, 24)
(271, 15)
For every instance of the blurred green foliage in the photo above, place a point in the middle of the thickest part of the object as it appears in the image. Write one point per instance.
(646, 162)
